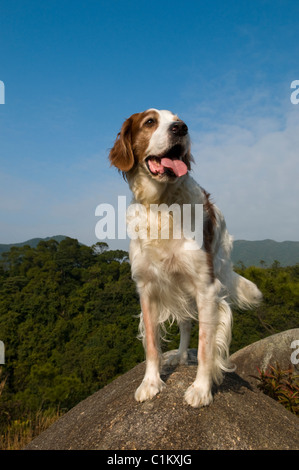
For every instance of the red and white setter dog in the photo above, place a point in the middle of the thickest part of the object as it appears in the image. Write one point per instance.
(176, 277)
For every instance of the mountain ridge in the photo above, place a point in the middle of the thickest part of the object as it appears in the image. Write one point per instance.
(265, 252)
(32, 242)
(245, 252)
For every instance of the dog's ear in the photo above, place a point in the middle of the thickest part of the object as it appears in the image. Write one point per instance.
(121, 155)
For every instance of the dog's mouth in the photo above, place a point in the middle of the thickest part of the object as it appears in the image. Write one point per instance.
(169, 163)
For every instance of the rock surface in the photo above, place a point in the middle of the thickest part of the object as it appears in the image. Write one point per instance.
(240, 416)
(268, 351)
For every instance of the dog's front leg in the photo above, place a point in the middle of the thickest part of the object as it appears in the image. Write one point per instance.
(152, 383)
(200, 392)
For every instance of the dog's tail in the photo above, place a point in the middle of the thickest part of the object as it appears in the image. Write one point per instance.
(244, 293)
(240, 291)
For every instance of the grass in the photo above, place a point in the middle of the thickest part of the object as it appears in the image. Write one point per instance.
(22, 431)
(18, 433)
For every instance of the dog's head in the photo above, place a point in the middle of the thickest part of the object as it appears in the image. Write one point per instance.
(156, 141)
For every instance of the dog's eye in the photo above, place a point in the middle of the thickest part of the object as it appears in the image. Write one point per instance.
(149, 122)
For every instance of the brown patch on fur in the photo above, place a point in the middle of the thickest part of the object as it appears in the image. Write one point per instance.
(121, 154)
(208, 232)
(133, 140)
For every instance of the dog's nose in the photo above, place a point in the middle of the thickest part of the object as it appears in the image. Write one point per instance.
(179, 128)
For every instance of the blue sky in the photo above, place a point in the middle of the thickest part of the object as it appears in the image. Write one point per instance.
(74, 70)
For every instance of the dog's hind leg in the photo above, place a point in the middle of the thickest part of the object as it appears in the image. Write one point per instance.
(181, 356)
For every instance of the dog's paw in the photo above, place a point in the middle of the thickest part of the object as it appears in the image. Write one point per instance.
(148, 389)
(177, 359)
(197, 396)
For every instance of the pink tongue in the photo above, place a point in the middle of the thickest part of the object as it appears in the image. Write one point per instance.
(178, 167)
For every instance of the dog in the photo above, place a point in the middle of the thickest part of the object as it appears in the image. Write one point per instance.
(176, 277)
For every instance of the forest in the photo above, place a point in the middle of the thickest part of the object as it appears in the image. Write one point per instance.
(69, 322)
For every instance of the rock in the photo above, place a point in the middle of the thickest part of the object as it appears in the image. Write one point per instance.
(240, 416)
(268, 351)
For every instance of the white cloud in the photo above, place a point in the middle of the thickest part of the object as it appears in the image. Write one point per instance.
(251, 170)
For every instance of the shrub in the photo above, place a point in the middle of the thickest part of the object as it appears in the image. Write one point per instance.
(281, 385)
